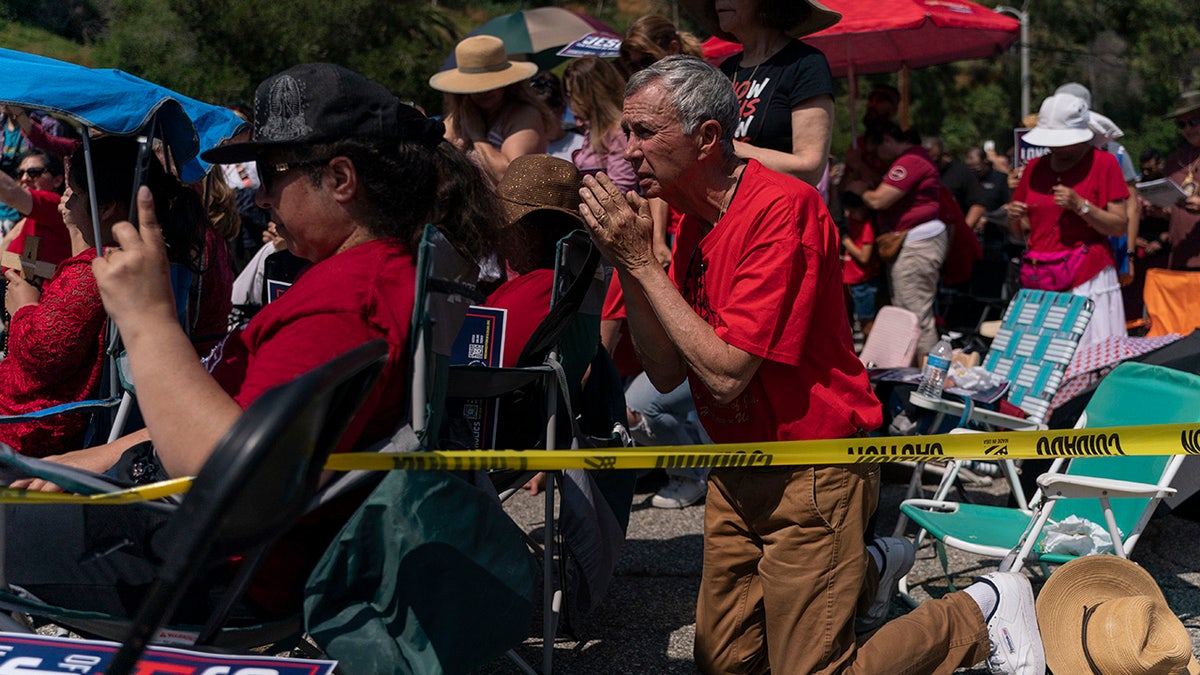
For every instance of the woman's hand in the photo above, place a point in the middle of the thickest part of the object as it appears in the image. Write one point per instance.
(97, 460)
(20, 293)
(134, 280)
(621, 225)
(1067, 198)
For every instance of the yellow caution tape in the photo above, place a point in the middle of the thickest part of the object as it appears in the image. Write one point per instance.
(139, 493)
(1147, 440)
(1162, 439)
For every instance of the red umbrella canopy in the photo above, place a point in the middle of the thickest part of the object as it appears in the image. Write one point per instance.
(882, 35)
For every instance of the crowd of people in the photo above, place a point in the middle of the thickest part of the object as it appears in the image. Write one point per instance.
(742, 256)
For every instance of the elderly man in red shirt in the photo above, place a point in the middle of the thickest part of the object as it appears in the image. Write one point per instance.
(760, 331)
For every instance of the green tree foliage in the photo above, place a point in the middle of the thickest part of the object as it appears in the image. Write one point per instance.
(219, 49)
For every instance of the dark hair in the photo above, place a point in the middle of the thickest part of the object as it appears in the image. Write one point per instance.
(179, 209)
(399, 180)
(1149, 154)
(467, 208)
(547, 87)
(886, 91)
(877, 132)
(53, 163)
(852, 200)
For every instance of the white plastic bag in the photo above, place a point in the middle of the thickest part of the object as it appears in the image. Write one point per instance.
(1076, 536)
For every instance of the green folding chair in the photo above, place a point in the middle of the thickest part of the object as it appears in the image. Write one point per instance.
(1118, 492)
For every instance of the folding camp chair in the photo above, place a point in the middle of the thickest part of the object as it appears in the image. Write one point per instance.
(548, 375)
(258, 481)
(1037, 339)
(893, 339)
(1120, 492)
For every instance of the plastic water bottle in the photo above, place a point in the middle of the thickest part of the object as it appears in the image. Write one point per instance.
(938, 363)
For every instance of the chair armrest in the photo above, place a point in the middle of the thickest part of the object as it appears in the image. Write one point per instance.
(14, 466)
(1066, 486)
(982, 415)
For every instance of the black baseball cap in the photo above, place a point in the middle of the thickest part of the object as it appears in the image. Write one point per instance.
(321, 103)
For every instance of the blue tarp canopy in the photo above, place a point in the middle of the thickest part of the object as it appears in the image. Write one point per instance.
(115, 102)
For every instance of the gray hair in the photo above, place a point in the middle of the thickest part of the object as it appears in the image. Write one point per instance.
(699, 93)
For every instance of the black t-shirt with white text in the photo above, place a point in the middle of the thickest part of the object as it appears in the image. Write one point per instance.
(767, 93)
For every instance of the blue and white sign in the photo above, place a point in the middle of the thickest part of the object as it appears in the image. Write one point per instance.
(604, 45)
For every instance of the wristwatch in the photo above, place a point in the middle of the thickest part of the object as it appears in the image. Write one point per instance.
(1084, 208)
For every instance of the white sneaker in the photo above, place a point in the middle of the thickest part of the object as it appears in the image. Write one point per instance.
(897, 555)
(679, 492)
(1012, 627)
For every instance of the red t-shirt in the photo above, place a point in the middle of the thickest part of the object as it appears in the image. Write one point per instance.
(45, 222)
(1097, 178)
(624, 357)
(527, 299)
(914, 174)
(861, 233)
(768, 279)
(363, 293)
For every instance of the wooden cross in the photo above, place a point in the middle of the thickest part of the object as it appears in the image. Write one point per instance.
(31, 268)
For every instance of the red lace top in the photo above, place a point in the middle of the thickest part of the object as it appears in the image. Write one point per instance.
(55, 353)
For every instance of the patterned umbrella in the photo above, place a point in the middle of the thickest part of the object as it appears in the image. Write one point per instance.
(536, 34)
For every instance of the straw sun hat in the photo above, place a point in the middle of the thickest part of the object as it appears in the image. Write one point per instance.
(820, 18)
(482, 66)
(539, 183)
(1104, 614)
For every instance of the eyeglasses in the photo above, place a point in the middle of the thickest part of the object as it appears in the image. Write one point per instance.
(267, 172)
(34, 172)
(1189, 122)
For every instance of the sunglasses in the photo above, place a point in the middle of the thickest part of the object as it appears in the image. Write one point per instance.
(33, 172)
(1189, 122)
(269, 173)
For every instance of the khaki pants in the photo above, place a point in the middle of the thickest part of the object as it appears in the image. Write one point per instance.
(914, 279)
(784, 565)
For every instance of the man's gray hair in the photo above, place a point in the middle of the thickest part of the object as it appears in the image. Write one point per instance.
(699, 93)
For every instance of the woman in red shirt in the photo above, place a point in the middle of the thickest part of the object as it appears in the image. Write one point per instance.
(56, 336)
(1068, 203)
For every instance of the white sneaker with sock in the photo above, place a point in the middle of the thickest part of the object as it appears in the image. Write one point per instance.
(679, 492)
(894, 557)
(1012, 626)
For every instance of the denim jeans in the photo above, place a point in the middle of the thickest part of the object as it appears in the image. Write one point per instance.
(670, 419)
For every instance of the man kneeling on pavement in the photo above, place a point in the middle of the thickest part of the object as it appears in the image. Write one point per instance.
(754, 318)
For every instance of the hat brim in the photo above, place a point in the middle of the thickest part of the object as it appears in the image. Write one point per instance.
(1057, 138)
(1084, 582)
(1179, 112)
(234, 153)
(515, 211)
(454, 81)
(705, 14)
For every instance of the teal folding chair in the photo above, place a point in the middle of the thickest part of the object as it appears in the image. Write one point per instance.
(1119, 492)
(1038, 337)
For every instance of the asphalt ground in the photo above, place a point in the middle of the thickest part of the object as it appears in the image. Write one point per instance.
(646, 625)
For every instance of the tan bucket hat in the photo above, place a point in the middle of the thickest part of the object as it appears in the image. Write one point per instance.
(1188, 101)
(1104, 614)
(705, 14)
(539, 183)
(482, 66)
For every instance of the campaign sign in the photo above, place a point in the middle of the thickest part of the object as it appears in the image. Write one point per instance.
(1026, 152)
(603, 45)
(22, 654)
(480, 342)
